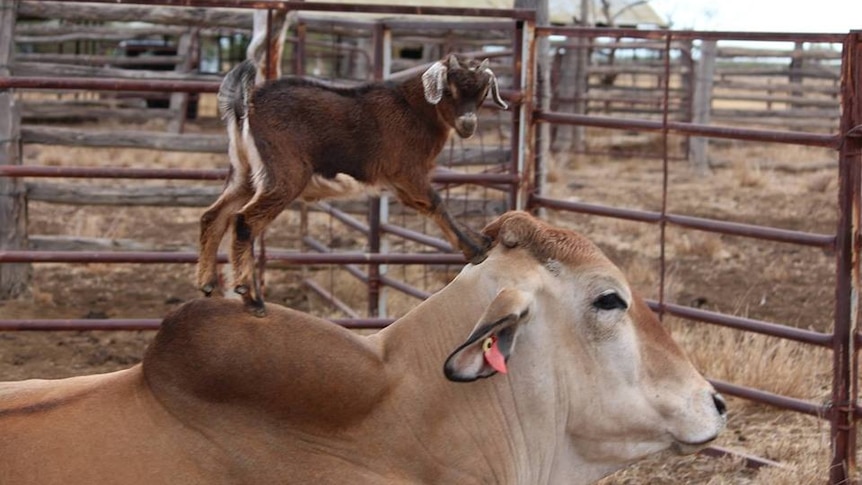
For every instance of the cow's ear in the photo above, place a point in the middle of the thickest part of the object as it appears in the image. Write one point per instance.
(488, 348)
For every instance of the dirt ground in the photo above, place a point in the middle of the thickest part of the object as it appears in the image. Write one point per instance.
(780, 186)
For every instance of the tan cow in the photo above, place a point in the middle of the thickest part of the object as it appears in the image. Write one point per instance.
(593, 382)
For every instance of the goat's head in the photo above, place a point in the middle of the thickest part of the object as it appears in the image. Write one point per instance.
(458, 88)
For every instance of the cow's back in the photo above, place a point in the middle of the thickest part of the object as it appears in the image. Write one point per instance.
(104, 428)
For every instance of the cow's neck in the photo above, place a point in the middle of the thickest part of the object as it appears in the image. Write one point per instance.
(472, 428)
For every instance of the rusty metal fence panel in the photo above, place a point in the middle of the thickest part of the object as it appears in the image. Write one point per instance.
(842, 410)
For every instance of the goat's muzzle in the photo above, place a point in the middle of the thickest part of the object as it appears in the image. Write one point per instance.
(466, 124)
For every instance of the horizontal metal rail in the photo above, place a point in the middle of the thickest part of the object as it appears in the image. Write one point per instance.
(109, 84)
(517, 14)
(693, 129)
(765, 397)
(365, 258)
(692, 34)
(81, 324)
(439, 176)
(157, 257)
(415, 236)
(45, 171)
(698, 223)
(758, 326)
(127, 324)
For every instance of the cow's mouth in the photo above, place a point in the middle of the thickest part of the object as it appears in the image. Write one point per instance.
(688, 448)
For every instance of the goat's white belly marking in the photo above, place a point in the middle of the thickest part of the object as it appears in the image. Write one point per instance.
(342, 185)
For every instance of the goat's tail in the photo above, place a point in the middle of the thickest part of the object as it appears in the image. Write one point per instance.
(235, 89)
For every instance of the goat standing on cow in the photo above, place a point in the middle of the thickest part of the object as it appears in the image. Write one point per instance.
(295, 138)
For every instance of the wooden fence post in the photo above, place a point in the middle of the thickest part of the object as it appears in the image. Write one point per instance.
(796, 75)
(187, 48)
(697, 151)
(14, 278)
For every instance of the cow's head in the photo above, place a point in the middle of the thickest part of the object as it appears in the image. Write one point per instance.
(570, 332)
(458, 89)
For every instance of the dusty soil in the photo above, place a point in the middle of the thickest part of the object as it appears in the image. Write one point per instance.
(768, 185)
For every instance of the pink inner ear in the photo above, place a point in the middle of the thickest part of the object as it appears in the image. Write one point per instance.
(495, 358)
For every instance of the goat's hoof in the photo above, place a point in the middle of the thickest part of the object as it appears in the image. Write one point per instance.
(479, 257)
(255, 306)
(208, 289)
(476, 253)
(241, 290)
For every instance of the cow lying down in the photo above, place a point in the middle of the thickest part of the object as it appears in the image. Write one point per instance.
(537, 366)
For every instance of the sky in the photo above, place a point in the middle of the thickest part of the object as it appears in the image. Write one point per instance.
(822, 16)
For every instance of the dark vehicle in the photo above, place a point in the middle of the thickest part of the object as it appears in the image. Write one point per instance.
(147, 49)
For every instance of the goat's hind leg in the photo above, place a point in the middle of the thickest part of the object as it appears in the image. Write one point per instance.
(219, 216)
(249, 224)
(214, 224)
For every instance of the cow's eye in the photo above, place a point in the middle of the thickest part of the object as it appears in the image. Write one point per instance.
(609, 300)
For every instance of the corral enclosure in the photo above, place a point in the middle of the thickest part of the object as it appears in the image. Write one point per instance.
(707, 170)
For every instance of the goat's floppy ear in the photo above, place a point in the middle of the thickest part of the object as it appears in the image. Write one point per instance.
(434, 82)
(492, 341)
(495, 90)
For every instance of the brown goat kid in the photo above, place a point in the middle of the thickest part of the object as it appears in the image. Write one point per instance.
(294, 138)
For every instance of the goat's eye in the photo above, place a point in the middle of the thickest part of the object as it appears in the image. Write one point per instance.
(609, 300)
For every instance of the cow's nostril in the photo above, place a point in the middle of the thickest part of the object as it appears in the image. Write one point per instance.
(720, 405)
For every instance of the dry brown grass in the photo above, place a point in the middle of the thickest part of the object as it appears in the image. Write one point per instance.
(775, 365)
(822, 183)
(700, 244)
(750, 175)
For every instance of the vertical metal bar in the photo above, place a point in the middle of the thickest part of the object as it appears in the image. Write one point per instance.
(844, 385)
(299, 52)
(374, 282)
(664, 178)
(270, 70)
(517, 138)
(525, 156)
(383, 201)
(538, 131)
(687, 69)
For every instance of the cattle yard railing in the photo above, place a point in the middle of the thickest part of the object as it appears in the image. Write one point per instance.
(842, 410)
(503, 178)
(524, 186)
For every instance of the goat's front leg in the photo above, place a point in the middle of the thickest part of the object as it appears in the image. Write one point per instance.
(427, 201)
